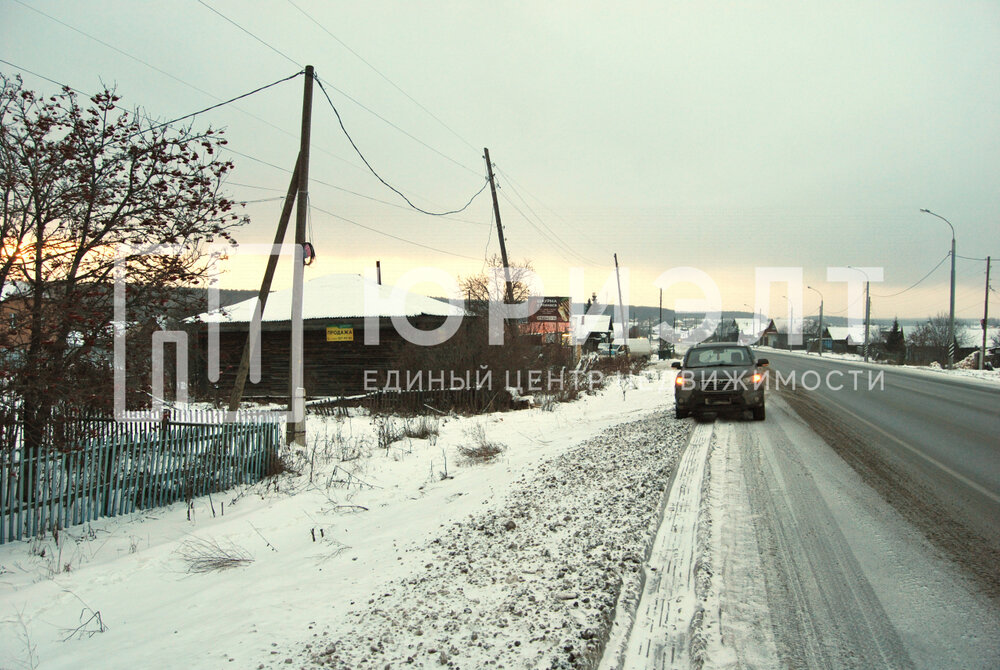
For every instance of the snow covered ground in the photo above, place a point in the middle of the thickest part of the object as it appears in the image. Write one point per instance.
(990, 376)
(369, 556)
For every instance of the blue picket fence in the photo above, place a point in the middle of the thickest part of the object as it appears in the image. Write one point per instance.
(103, 467)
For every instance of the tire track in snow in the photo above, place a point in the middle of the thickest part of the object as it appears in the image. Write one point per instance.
(669, 612)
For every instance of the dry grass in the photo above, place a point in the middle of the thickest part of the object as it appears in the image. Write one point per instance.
(209, 555)
(481, 449)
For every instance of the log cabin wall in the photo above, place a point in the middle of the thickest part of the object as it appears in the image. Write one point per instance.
(330, 368)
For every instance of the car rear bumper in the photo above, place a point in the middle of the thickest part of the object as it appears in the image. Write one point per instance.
(720, 401)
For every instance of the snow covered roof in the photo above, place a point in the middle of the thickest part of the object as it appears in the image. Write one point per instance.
(338, 296)
(751, 325)
(12, 288)
(851, 334)
(585, 324)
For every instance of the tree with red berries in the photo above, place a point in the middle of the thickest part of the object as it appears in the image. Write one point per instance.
(86, 186)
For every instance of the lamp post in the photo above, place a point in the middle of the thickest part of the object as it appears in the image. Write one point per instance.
(951, 309)
(820, 318)
(868, 306)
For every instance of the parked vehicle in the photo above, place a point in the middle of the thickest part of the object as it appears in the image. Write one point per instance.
(719, 377)
(638, 347)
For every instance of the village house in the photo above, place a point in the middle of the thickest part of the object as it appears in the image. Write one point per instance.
(339, 310)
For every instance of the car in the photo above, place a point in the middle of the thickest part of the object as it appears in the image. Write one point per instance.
(720, 377)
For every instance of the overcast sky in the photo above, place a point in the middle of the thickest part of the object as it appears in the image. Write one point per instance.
(719, 135)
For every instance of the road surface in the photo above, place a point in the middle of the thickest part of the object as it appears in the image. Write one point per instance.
(830, 535)
(928, 443)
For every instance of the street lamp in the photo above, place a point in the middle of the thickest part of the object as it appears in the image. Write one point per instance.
(868, 306)
(951, 309)
(820, 318)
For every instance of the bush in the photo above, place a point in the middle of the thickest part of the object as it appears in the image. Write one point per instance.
(481, 450)
(208, 555)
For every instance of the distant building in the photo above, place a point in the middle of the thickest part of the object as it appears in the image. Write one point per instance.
(335, 355)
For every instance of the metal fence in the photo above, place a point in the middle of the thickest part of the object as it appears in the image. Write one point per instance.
(103, 467)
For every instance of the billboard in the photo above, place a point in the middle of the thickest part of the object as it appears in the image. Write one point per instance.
(553, 309)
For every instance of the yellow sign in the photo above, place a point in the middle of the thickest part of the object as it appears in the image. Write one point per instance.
(340, 333)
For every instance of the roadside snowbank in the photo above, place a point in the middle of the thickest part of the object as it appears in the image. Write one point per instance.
(534, 582)
(118, 593)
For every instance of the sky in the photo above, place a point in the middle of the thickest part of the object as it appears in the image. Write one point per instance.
(721, 136)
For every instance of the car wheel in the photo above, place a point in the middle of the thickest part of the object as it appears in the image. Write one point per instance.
(681, 413)
(758, 413)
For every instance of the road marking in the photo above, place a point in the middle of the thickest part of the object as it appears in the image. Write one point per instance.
(930, 459)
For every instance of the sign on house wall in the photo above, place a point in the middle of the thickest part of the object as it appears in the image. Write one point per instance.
(340, 333)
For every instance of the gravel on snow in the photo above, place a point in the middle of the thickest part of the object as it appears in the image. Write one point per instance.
(534, 583)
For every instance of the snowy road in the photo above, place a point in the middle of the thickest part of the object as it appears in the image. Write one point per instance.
(773, 552)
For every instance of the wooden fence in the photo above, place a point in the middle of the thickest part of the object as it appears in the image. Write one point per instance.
(103, 467)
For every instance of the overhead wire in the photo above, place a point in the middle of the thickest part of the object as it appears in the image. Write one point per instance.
(517, 209)
(262, 41)
(390, 235)
(42, 76)
(166, 74)
(216, 106)
(379, 177)
(380, 73)
(555, 239)
(915, 284)
(520, 186)
(335, 187)
(343, 93)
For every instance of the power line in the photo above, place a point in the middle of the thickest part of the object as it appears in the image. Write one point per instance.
(379, 73)
(520, 186)
(335, 187)
(557, 240)
(166, 74)
(355, 101)
(395, 237)
(216, 106)
(541, 232)
(41, 76)
(891, 295)
(229, 20)
(379, 177)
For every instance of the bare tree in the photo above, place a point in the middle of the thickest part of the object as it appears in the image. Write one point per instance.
(490, 285)
(933, 333)
(84, 188)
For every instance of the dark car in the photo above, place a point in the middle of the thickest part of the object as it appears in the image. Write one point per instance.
(721, 377)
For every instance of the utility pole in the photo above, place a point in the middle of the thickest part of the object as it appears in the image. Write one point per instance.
(986, 316)
(621, 308)
(296, 399)
(496, 215)
(821, 327)
(265, 288)
(868, 313)
(378, 272)
(659, 326)
(820, 319)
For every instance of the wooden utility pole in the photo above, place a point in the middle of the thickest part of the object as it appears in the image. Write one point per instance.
(621, 308)
(496, 215)
(265, 288)
(986, 317)
(296, 398)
